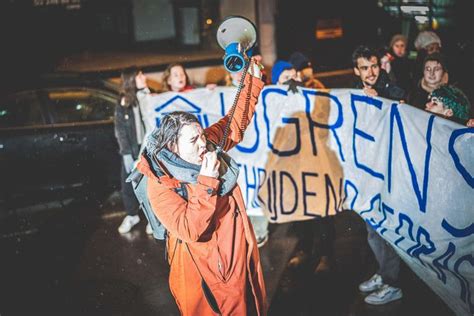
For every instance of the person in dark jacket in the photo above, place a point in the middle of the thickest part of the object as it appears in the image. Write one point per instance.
(304, 71)
(130, 132)
(372, 79)
(383, 286)
(396, 62)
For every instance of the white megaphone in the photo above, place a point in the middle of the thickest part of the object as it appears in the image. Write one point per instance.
(236, 35)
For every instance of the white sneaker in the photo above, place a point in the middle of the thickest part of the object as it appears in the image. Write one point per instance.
(128, 222)
(262, 241)
(385, 295)
(372, 284)
(148, 229)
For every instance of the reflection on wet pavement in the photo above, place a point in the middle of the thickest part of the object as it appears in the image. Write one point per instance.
(72, 261)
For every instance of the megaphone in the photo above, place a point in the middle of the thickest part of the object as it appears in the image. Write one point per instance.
(236, 35)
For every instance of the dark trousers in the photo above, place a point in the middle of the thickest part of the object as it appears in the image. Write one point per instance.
(387, 258)
(319, 228)
(130, 202)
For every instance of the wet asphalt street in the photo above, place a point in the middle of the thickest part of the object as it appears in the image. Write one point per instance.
(71, 260)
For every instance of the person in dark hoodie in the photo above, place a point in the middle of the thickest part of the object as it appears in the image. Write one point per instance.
(130, 131)
(372, 79)
(396, 63)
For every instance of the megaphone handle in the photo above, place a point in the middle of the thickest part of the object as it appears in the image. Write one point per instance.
(234, 105)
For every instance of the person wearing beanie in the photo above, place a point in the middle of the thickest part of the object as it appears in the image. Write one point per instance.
(282, 72)
(304, 71)
(435, 74)
(426, 43)
(396, 62)
(449, 102)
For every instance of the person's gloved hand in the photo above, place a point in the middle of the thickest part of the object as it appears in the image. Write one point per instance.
(128, 163)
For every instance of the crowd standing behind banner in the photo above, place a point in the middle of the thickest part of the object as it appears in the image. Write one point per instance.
(388, 77)
(308, 153)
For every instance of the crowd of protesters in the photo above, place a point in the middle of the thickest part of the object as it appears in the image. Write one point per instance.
(424, 82)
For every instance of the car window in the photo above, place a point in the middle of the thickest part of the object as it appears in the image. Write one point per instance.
(80, 105)
(21, 110)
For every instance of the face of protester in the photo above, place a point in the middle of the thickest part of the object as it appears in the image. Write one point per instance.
(433, 73)
(306, 74)
(140, 80)
(191, 145)
(399, 48)
(368, 70)
(177, 79)
(433, 48)
(286, 75)
(435, 105)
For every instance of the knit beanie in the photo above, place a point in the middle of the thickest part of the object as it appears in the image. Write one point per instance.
(454, 99)
(299, 61)
(426, 38)
(398, 37)
(278, 68)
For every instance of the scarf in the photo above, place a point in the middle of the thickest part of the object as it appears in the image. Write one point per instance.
(188, 172)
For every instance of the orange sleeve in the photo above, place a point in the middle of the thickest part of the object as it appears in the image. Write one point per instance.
(242, 115)
(187, 220)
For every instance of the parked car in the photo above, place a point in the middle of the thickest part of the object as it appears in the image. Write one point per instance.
(57, 140)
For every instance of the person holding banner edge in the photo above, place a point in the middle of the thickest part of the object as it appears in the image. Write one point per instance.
(383, 285)
(213, 256)
(372, 79)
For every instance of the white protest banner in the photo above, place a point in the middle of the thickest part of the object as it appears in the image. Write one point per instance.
(406, 172)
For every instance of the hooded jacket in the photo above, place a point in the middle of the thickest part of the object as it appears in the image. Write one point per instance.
(210, 236)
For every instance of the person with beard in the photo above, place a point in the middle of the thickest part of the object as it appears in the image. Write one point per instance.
(383, 285)
(372, 79)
